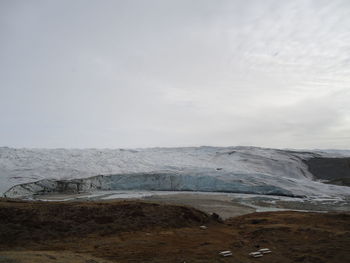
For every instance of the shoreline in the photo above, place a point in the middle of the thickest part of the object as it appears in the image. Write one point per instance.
(226, 205)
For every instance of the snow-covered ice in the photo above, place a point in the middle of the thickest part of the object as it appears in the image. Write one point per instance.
(221, 169)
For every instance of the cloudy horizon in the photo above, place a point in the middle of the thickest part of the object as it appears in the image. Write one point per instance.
(129, 74)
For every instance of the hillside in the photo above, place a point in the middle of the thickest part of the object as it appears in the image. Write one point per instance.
(144, 232)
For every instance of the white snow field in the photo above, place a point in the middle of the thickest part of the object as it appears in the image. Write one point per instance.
(212, 169)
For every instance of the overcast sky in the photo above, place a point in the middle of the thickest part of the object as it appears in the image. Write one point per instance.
(98, 73)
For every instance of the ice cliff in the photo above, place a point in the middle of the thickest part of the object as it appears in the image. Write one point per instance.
(24, 172)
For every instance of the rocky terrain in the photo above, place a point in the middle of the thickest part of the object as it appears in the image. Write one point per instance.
(101, 232)
(330, 170)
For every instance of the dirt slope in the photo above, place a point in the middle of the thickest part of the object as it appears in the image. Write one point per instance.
(21, 222)
(144, 232)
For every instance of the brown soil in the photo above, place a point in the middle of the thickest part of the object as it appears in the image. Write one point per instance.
(115, 231)
(23, 222)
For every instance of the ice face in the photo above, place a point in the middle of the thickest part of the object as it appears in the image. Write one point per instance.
(164, 181)
(230, 169)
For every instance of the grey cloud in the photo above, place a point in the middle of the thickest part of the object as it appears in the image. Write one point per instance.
(174, 73)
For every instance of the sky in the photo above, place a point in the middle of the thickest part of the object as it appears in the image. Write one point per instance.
(128, 74)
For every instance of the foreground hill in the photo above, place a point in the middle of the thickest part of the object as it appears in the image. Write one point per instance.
(213, 169)
(144, 232)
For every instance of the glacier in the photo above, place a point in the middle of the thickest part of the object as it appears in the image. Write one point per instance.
(25, 172)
